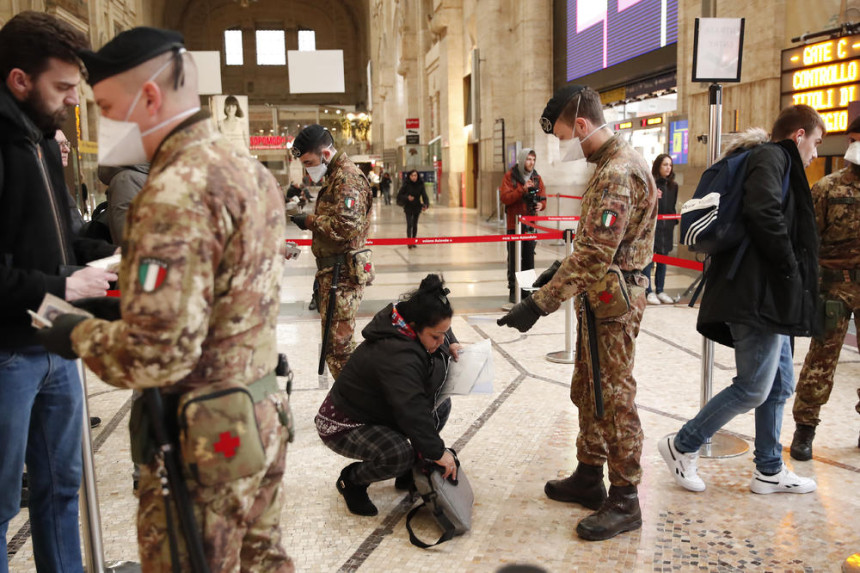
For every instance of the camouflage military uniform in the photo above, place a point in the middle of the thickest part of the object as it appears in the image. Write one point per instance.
(619, 212)
(837, 215)
(200, 276)
(340, 224)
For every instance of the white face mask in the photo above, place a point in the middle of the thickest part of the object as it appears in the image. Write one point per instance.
(121, 142)
(317, 172)
(853, 153)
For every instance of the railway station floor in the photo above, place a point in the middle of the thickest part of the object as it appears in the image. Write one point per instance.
(513, 440)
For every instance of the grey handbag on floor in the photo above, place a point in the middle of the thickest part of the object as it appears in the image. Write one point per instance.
(450, 501)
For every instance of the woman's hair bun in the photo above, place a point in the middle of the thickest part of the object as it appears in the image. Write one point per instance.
(432, 283)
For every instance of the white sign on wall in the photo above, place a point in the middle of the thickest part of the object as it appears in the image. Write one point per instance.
(208, 72)
(317, 72)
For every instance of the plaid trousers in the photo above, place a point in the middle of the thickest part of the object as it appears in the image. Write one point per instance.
(385, 452)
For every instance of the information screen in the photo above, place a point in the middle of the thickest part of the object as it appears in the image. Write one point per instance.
(678, 141)
(602, 33)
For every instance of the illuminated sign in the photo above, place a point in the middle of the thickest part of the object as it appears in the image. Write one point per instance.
(652, 121)
(625, 125)
(824, 76)
(268, 142)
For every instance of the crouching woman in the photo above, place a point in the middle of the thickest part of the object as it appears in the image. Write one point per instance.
(382, 408)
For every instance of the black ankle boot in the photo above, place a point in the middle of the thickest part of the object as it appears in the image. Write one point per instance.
(355, 494)
(619, 513)
(584, 486)
(404, 482)
(801, 445)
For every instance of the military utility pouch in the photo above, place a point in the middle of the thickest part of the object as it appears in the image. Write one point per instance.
(140, 429)
(218, 433)
(361, 266)
(608, 296)
(834, 311)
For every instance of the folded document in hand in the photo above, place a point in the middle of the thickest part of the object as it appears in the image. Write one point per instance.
(52, 307)
(472, 373)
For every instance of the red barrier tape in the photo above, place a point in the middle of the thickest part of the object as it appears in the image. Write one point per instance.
(549, 218)
(564, 196)
(552, 234)
(676, 262)
(665, 217)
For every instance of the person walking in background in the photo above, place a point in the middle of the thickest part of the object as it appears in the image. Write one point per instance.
(385, 187)
(413, 198)
(123, 184)
(836, 199)
(523, 193)
(667, 195)
(771, 297)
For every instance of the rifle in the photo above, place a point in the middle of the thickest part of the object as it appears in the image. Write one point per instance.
(332, 292)
(593, 356)
(176, 488)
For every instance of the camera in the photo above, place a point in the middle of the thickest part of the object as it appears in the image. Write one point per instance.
(532, 199)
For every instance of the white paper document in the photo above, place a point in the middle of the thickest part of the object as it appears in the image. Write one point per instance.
(525, 279)
(472, 373)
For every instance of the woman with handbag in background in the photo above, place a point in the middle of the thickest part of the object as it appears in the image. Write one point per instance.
(382, 408)
(667, 195)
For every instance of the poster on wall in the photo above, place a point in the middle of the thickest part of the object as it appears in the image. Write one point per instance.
(231, 116)
(601, 34)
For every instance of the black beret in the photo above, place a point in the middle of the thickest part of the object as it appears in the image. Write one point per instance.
(309, 139)
(127, 50)
(556, 105)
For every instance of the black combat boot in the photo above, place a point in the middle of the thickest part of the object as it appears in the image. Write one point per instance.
(405, 481)
(619, 513)
(355, 494)
(584, 486)
(801, 445)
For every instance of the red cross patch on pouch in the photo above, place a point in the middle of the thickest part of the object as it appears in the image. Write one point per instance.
(605, 297)
(608, 218)
(227, 444)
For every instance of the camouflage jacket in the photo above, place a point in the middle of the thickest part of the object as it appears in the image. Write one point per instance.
(200, 273)
(341, 217)
(619, 213)
(836, 199)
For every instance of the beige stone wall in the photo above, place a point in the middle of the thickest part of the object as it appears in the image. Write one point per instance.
(419, 71)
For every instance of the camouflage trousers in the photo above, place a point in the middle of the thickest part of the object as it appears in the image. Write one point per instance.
(615, 438)
(340, 340)
(239, 520)
(816, 377)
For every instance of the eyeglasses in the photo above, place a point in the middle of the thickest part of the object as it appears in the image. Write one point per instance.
(65, 146)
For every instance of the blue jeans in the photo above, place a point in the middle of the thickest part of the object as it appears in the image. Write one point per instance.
(659, 276)
(41, 411)
(765, 380)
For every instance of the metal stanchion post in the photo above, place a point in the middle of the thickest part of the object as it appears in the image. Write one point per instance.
(559, 242)
(720, 445)
(91, 525)
(518, 255)
(500, 212)
(566, 356)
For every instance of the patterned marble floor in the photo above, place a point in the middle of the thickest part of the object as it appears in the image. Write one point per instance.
(515, 439)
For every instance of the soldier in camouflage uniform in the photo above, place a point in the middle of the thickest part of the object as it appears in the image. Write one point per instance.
(836, 199)
(340, 223)
(616, 232)
(201, 266)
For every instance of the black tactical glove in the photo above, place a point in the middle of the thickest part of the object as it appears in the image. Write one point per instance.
(104, 307)
(301, 221)
(522, 316)
(547, 275)
(58, 338)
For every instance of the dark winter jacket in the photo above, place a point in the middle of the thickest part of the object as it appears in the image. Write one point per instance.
(776, 285)
(663, 235)
(415, 190)
(124, 183)
(392, 380)
(37, 248)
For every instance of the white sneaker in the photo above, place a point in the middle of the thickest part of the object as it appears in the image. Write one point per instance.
(663, 297)
(652, 298)
(682, 466)
(783, 482)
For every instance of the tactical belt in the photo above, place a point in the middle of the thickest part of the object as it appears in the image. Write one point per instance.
(262, 388)
(328, 262)
(840, 275)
